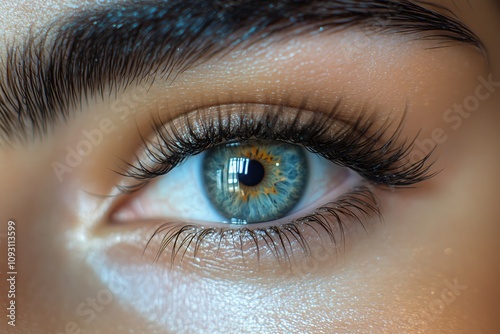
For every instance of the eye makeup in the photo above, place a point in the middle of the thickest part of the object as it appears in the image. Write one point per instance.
(374, 151)
(360, 143)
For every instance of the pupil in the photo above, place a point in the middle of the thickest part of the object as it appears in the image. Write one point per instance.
(252, 174)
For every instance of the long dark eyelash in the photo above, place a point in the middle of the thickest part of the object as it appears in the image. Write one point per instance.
(330, 220)
(369, 151)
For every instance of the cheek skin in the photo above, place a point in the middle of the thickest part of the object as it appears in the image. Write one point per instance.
(50, 284)
(476, 236)
(449, 232)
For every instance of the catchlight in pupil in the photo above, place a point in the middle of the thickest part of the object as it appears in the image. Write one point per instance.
(252, 173)
(255, 181)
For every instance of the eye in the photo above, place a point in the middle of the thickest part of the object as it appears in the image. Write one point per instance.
(264, 176)
(255, 182)
(242, 183)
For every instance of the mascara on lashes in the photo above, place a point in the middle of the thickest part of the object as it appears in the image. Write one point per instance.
(375, 152)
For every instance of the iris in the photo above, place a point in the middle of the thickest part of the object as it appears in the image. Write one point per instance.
(255, 181)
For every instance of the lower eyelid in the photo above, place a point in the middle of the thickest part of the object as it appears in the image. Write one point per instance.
(216, 255)
(215, 259)
(329, 229)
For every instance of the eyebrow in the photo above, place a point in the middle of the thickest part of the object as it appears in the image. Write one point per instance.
(44, 79)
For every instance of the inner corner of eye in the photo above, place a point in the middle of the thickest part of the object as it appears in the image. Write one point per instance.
(239, 183)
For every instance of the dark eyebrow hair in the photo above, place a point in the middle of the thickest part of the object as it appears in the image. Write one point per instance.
(113, 46)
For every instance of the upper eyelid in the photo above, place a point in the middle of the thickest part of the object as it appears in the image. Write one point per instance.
(174, 140)
(42, 80)
(162, 126)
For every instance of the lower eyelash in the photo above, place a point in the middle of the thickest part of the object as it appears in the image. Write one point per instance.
(331, 220)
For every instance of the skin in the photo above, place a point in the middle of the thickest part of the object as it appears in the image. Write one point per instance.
(430, 267)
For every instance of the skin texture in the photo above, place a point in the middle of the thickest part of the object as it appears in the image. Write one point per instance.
(430, 267)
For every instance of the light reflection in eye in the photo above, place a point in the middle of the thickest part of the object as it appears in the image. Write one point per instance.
(242, 183)
(255, 181)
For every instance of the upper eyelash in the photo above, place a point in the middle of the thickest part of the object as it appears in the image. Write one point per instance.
(358, 146)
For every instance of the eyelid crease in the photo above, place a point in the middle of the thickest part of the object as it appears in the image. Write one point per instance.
(376, 152)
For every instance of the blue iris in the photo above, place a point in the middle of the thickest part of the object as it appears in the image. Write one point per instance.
(255, 181)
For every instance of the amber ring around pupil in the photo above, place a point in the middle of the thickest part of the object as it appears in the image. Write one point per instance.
(254, 181)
